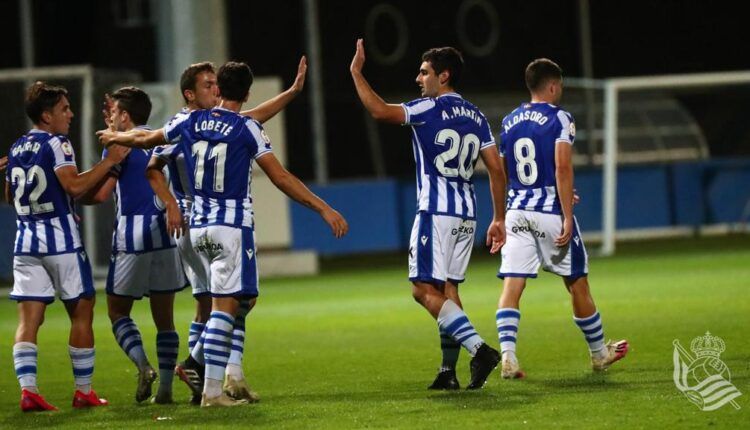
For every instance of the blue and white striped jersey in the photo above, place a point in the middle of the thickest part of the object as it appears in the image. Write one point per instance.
(219, 147)
(447, 134)
(46, 219)
(180, 180)
(140, 223)
(527, 142)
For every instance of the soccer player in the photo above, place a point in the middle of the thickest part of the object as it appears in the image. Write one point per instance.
(198, 86)
(216, 142)
(449, 133)
(42, 180)
(536, 142)
(144, 259)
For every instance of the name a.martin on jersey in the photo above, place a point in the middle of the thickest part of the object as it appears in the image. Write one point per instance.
(27, 146)
(527, 115)
(213, 125)
(462, 111)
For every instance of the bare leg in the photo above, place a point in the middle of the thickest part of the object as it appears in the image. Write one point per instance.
(81, 314)
(580, 294)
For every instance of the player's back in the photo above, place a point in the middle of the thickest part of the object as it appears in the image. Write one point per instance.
(527, 142)
(448, 133)
(46, 222)
(219, 147)
(179, 175)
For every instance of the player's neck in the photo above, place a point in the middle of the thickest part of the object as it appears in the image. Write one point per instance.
(537, 98)
(230, 105)
(445, 90)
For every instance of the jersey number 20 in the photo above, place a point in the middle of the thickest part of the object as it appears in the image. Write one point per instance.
(466, 149)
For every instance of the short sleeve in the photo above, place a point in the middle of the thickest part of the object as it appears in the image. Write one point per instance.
(567, 127)
(260, 136)
(166, 153)
(417, 110)
(62, 150)
(485, 136)
(173, 129)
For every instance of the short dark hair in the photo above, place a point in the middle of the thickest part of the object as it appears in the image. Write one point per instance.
(135, 102)
(234, 80)
(41, 97)
(540, 71)
(189, 75)
(446, 58)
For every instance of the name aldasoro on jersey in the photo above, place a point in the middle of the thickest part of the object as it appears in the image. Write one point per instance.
(458, 111)
(526, 115)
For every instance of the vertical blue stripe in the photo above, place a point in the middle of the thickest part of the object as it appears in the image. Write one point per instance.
(21, 230)
(34, 239)
(222, 211)
(85, 269)
(577, 256)
(162, 223)
(464, 205)
(148, 242)
(540, 203)
(418, 161)
(49, 234)
(424, 252)
(115, 229)
(129, 245)
(110, 286)
(249, 266)
(67, 232)
(451, 196)
(432, 206)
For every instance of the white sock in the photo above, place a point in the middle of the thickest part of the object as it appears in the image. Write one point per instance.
(454, 322)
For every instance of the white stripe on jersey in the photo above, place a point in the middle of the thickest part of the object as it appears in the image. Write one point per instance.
(536, 195)
(442, 189)
(423, 192)
(565, 126)
(38, 229)
(26, 241)
(59, 235)
(138, 232)
(456, 195)
(74, 232)
(549, 202)
(41, 236)
(468, 194)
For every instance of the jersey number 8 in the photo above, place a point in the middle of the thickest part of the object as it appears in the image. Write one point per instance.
(466, 149)
(526, 167)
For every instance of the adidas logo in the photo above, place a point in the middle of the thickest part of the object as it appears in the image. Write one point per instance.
(424, 240)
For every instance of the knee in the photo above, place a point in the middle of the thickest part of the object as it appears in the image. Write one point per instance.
(418, 292)
(251, 304)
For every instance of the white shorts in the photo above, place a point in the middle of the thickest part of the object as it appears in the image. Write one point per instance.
(227, 255)
(439, 248)
(530, 243)
(191, 264)
(38, 277)
(143, 274)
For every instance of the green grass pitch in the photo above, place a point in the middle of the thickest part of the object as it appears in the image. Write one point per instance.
(350, 349)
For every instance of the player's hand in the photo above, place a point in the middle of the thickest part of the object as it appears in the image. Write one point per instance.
(299, 81)
(106, 137)
(576, 197)
(359, 58)
(496, 236)
(117, 153)
(3, 163)
(567, 232)
(337, 222)
(175, 222)
(107, 112)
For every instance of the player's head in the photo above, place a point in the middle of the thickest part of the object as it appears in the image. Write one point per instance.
(440, 71)
(48, 108)
(234, 80)
(544, 80)
(198, 86)
(131, 107)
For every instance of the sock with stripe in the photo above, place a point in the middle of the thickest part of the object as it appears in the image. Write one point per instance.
(453, 321)
(167, 348)
(217, 345)
(83, 367)
(234, 365)
(593, 332)
(196, 329)
(450, 349)
(24, 360)
(129, 339)
(507, 320)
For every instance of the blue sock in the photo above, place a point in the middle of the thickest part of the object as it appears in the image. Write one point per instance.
(24, 361)
(129, 339)
(167, 348)
(507, 320)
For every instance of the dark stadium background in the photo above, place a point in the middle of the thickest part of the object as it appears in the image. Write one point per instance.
(628, 38)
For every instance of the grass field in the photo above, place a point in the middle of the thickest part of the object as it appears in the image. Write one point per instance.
(350, 349)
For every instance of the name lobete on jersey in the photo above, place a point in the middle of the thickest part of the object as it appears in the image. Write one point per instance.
(447, 134)
(527, 142)
(45, 216)
(219, 148)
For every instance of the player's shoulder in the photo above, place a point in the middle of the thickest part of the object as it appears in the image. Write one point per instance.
(256, 131)
(562, 116)
(421, 104)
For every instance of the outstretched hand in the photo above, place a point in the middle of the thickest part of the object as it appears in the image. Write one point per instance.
(495, 236)
(299, 80)
(359, 58)
(337, 222)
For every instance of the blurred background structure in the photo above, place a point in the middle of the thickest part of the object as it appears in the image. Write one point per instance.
(680, 159)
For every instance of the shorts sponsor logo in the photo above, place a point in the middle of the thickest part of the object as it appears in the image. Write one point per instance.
(703, 378)
(530, 227)
(462, 229)
(207, 246)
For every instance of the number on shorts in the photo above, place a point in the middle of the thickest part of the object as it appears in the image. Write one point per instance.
(466, 149)
(526, 166)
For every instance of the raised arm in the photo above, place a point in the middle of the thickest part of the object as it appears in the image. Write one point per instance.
(269, 108)
(297, 191)
(77, 185)
(135, 138)
(496, 170)
(378, 108)
(564, 179)
(158, 182)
